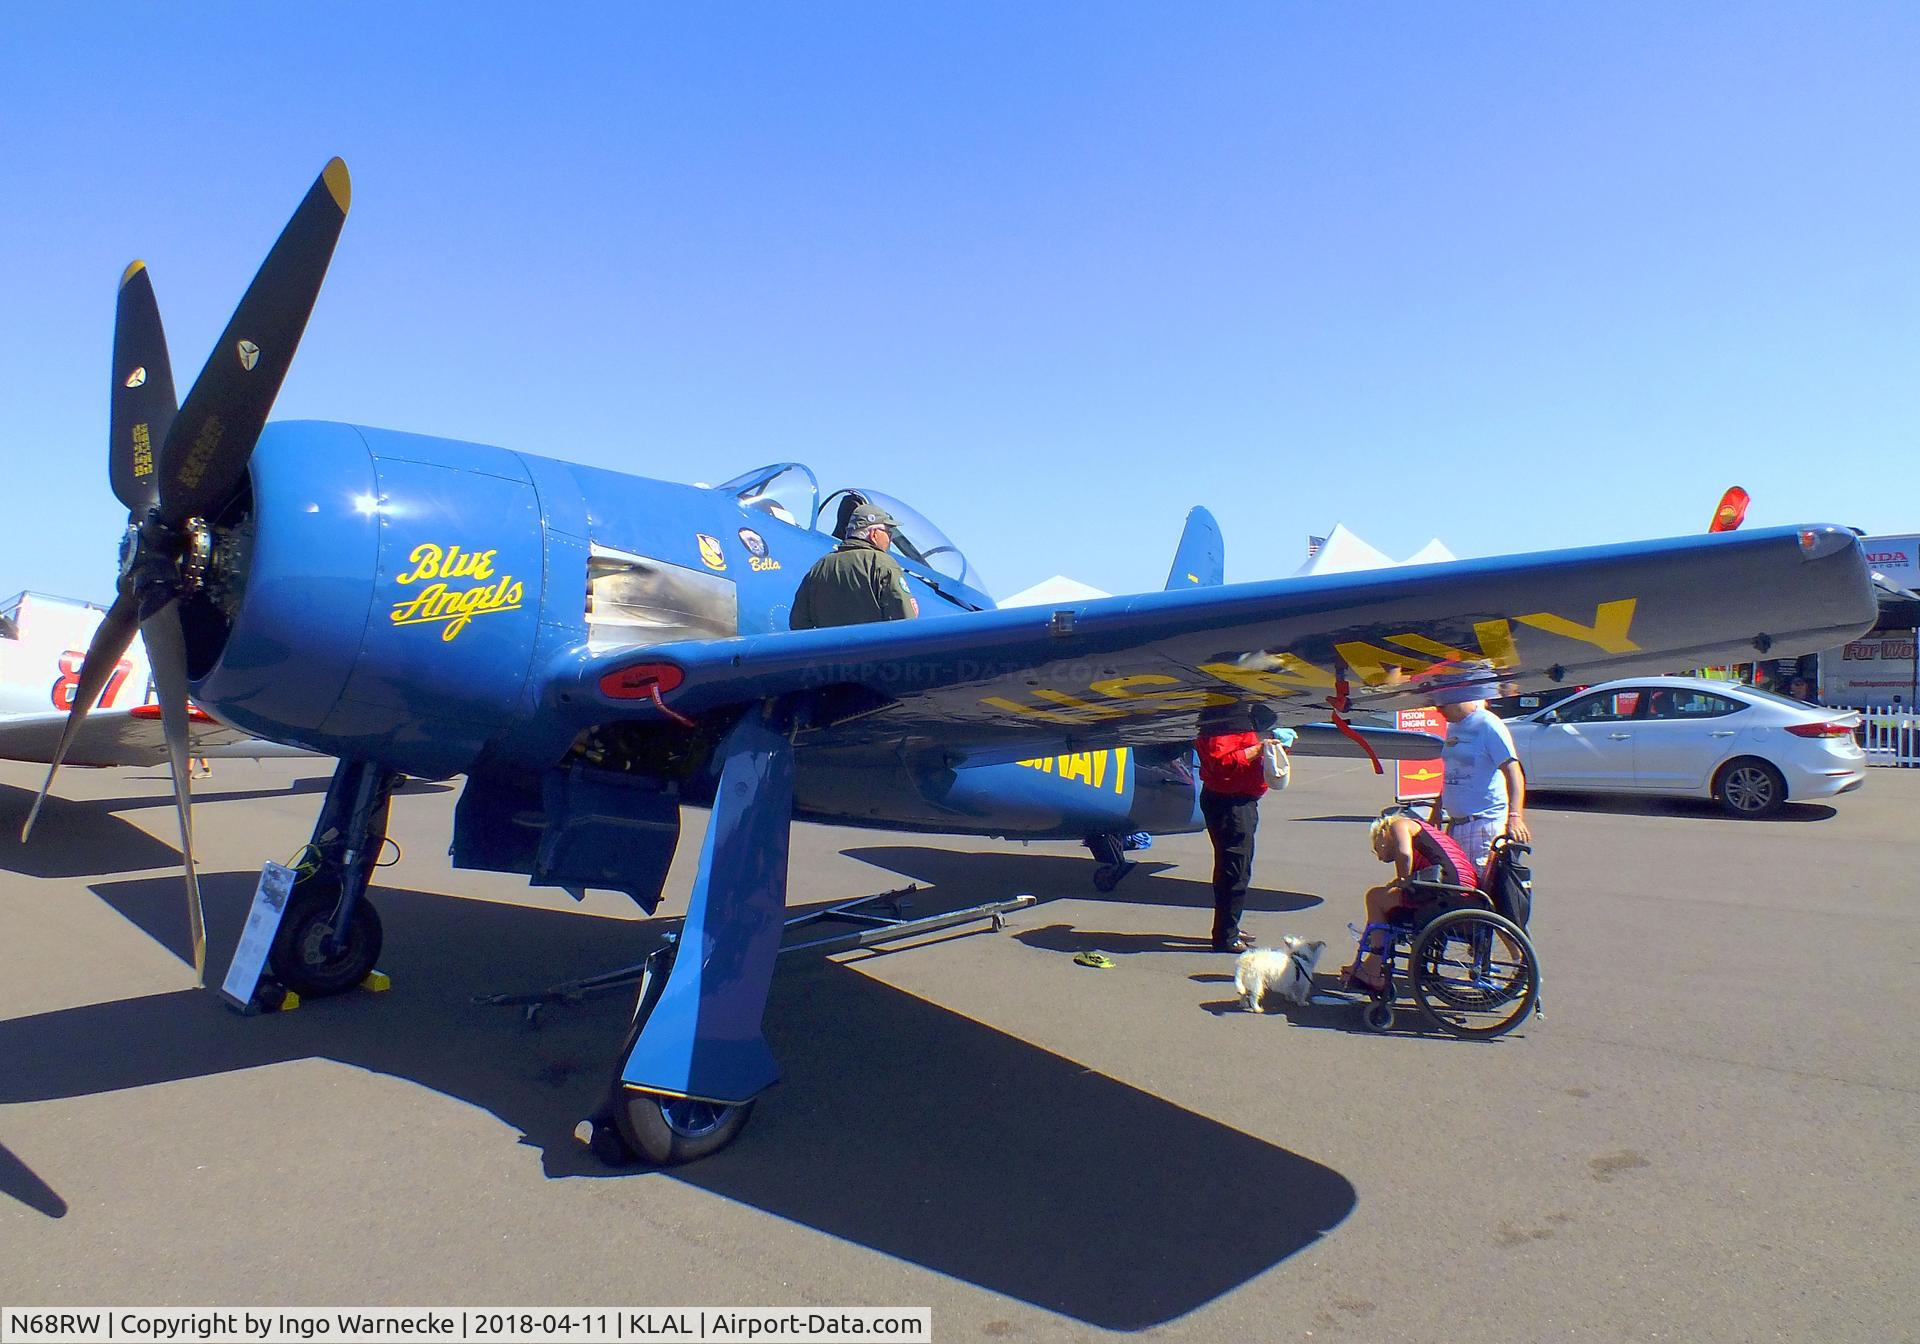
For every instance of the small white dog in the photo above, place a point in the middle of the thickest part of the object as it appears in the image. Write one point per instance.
(1287, 970)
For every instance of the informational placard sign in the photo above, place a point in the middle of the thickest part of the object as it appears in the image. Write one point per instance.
(1418, 779)
(263, 921)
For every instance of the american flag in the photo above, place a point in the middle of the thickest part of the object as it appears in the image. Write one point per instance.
(1313, 546)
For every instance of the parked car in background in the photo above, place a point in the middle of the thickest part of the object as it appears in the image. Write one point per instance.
(1514, 706)
(1748, 749)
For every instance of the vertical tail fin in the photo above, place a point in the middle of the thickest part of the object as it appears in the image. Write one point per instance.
(1201, 558)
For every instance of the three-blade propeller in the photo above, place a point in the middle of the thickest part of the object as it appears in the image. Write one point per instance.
(175, 467)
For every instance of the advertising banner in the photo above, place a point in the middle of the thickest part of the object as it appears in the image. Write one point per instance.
(1896, 557)
(1875, 671)
(1418, 779)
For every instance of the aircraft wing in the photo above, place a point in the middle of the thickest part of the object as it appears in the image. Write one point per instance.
(125, 737)
(1153, 668)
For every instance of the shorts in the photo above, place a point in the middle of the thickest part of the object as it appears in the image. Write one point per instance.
(1476, 835)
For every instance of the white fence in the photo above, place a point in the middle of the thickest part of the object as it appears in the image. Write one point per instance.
(1890, 734)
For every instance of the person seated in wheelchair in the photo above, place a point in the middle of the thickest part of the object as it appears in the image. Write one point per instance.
(1432, 873)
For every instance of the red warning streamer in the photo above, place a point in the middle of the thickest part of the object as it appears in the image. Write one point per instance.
(1340, 703)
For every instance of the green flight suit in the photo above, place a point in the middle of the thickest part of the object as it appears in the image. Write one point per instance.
(855, 583)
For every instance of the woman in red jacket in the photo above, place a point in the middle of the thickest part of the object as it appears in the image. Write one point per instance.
(1231, 782)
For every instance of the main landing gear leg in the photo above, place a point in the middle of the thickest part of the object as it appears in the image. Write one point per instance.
(696, 1059)
(1110, 852)
(330, 936)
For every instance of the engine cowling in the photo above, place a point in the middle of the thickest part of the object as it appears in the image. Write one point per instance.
(388, 597)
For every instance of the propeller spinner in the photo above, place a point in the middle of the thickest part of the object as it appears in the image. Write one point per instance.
(174, 468)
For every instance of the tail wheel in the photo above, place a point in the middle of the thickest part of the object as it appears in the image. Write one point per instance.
(302, 958)
(1749, 787)
(1475, 973)
(669, 1130)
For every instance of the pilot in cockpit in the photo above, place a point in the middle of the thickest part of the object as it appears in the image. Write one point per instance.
(857, 581)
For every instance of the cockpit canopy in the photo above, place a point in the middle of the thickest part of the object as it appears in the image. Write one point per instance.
(789, 492)
(916, 540)
(785, 490)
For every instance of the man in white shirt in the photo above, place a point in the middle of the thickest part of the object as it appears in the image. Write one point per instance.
(1485, 792)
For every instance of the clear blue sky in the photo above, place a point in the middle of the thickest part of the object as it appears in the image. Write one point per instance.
(1521, 275)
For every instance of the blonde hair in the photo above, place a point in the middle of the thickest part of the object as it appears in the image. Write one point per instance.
(1380, 824)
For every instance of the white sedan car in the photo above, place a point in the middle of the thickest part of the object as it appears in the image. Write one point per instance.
(1749, 750)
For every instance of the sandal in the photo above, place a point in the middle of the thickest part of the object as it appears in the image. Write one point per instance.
(1351, 978)
(1100, 961)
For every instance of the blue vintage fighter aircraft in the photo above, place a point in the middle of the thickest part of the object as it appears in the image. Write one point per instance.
(593, 650)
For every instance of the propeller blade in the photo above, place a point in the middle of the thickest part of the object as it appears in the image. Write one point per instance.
(143, 404)
(205, 452)
(167, 652)
(110, 640)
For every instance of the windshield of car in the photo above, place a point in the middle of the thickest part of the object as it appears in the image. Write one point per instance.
(916, 540)
(785, 490)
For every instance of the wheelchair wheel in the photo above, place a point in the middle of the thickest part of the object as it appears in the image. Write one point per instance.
(1474, 973)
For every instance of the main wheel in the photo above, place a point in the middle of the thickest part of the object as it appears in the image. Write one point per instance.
(1749, 787)
(300, 957)
(1474, 973)
(668, 1130)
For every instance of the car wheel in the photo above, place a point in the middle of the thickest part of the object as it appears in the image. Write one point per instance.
(1749, 787)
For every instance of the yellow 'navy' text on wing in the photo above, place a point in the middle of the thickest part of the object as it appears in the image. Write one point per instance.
(1278, 674)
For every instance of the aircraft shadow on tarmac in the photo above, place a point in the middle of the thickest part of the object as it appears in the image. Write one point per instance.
(75, 839)
(87, 837)
(902, 1126)
(19, 1180)
(988, 876)
(306, 784)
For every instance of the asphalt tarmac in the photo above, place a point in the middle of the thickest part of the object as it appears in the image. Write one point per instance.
(1711, 1134)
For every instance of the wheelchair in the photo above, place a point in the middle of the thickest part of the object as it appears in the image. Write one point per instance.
(1470, 968)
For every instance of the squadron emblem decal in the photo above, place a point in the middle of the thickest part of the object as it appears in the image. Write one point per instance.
(137, 377)
(249, 355)
(757, 557)
(710, 554)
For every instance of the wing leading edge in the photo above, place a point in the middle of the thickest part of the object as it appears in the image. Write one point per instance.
(1152, 668)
